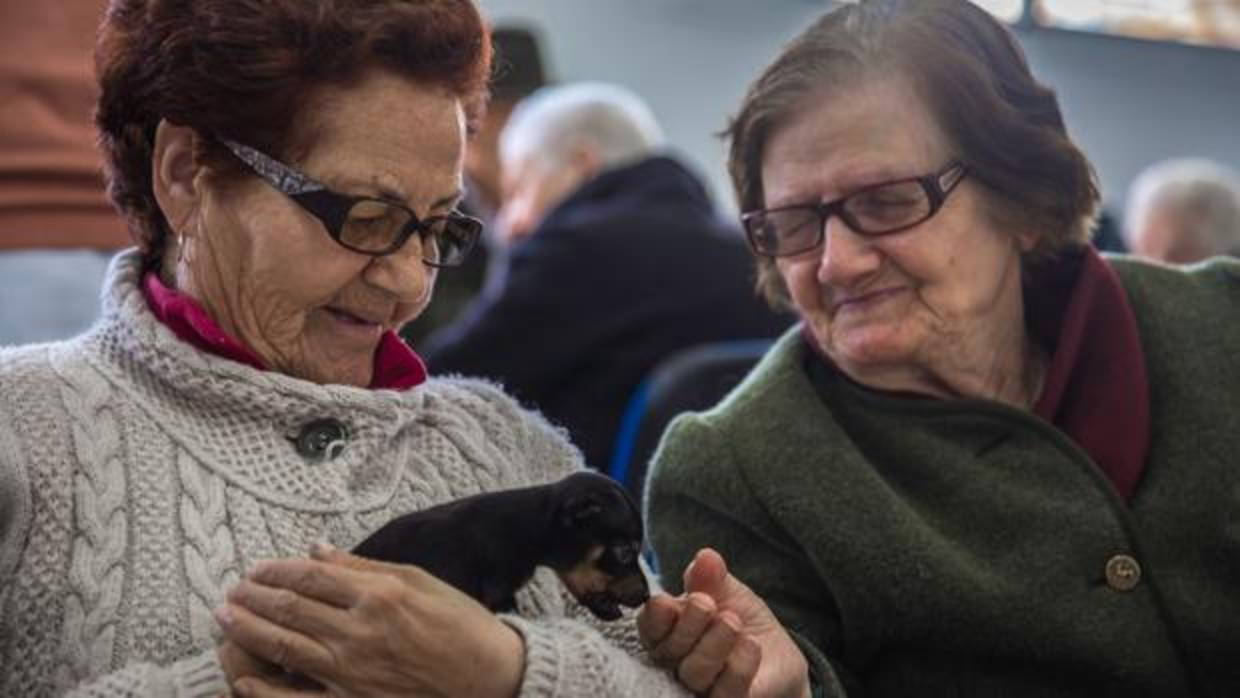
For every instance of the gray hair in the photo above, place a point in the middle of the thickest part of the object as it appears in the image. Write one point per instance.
(609, 119)
(1207, 189)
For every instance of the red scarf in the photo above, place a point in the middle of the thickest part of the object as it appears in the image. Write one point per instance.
(396, 367)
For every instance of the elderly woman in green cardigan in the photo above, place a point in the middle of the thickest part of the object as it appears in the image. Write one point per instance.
(989, 462)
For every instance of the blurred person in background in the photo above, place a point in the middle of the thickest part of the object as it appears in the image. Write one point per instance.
(57, 228)
(518, 71)
(617, 259)
(290, 171)
(1184, 210)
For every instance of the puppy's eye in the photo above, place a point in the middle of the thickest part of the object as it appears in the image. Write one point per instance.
(623, 554)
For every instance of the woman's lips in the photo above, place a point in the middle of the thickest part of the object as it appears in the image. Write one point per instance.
(865, 300)
(353, 325)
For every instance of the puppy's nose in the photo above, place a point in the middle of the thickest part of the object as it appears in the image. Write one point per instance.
(631, 590)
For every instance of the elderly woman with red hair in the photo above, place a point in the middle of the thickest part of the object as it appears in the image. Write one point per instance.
(290, 172)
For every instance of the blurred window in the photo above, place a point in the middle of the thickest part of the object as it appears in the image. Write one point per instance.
(1204, 22)
(1200, 22)
(1006, 10)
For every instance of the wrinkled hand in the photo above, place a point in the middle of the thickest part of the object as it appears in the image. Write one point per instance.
(721, 638)
(365, 628)
(238, 664)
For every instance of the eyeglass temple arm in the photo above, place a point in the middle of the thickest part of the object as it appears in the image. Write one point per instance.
(280, 176)
(953, 173)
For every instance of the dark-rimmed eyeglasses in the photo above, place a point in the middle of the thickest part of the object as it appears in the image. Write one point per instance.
(879, 209)
(365, 225)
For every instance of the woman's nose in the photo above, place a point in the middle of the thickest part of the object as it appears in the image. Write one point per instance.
(403, 274)
(847, 256)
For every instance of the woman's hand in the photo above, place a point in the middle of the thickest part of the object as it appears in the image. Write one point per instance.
(721, 638)
(238, 664)
(360, 627)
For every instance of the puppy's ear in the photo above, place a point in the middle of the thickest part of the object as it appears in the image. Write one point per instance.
(579, 510)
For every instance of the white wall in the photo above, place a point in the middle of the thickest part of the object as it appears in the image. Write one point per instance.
(1127, 102)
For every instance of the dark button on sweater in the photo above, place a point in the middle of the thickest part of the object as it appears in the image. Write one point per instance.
(322, 439)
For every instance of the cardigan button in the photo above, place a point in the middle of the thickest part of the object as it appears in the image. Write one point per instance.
(322, 439)
(1123, 573)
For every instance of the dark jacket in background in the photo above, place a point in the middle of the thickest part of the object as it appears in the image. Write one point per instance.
(633, 266)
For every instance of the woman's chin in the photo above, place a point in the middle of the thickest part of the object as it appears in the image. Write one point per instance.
(869, 348)
(340, 358)
(358, 376)
(356, 372)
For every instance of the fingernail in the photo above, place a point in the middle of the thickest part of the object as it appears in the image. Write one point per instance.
(322, 549)
(238, 592)
(242, 688)
(223, 615)
(257, 570)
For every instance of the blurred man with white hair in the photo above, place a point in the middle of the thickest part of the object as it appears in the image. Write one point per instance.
(618, 259)
(1184, 210)
(560, 137)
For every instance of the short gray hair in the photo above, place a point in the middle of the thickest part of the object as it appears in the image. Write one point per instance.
(613, 121)
(1210, 190)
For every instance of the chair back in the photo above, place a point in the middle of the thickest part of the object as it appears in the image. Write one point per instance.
(691, 380)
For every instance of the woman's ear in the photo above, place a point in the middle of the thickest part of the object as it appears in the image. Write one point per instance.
(174, 172)
(1027, 240)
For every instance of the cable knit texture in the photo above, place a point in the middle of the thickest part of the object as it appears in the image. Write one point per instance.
(140, 476)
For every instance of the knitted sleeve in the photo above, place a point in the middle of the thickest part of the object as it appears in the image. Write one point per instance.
(14, 502)
(199, 676)
(696, 497)
(568, 652)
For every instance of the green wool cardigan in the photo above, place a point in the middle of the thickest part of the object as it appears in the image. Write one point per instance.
(928, 548)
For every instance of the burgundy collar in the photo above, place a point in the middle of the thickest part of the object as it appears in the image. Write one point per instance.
(397, 367)
(1096, 389)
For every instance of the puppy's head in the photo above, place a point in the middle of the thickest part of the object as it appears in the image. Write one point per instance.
(597, 543)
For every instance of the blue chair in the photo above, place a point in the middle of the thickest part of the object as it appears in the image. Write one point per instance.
(690, 380)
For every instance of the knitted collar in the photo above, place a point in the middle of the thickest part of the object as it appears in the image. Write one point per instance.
(243, 422)
(396, 366)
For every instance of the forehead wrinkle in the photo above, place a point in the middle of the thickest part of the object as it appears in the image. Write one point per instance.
(388, 188)
(375, 185)
(851, 149)
(382, 164)
(846, 185)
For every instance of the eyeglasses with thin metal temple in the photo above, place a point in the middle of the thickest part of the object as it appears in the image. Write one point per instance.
(365, 225)
(879, 209)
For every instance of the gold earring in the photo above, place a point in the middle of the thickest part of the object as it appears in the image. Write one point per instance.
(180, 247)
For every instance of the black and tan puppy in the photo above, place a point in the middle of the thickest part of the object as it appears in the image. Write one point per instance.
(586, 527)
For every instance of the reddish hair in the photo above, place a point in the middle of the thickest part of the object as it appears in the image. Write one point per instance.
(243, 69)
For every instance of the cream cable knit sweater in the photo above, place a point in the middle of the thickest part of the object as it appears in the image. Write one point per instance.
(139, 477)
